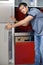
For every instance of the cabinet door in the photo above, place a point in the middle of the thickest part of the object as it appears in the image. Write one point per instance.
(3, 45)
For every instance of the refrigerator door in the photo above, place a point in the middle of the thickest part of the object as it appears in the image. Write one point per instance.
(3, 45)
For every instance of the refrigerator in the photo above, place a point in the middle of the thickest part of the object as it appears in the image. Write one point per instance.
(6, 36)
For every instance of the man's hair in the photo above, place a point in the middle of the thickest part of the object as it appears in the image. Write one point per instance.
(23, 4)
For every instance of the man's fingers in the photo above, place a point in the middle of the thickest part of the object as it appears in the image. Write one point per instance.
(13, 18)
(8, 26)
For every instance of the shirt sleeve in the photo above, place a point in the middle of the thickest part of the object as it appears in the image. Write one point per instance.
(33, 12)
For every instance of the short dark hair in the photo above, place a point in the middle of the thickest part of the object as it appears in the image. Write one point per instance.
(23, 4)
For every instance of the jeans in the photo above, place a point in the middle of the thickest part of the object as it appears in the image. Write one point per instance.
(38, 49)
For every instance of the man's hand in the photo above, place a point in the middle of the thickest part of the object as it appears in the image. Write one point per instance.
(14, 19)
(8, 26)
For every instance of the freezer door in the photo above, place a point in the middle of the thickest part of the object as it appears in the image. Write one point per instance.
(5, 13)
(3, 45)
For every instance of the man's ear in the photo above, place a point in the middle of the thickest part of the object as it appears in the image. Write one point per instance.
(27, 8)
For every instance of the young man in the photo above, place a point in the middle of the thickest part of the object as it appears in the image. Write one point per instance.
(35, 16)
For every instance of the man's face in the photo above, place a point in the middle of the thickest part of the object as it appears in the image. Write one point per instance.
(23, 9)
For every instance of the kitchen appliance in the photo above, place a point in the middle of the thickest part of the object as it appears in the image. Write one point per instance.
(6, 54)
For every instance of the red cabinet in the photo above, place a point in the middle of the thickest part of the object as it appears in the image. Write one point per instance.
(24, 53)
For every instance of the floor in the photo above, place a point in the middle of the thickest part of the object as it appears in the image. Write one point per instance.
(24, 64)
(20, 64)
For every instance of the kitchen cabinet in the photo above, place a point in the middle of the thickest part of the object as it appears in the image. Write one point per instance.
(19, 1)
(30, 3)
(40, 3)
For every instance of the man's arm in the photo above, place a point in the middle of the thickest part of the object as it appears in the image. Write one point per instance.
(24, 21)
(15, 21)
(19, 23)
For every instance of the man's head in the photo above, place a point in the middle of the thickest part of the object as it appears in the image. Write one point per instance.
(23, 8)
